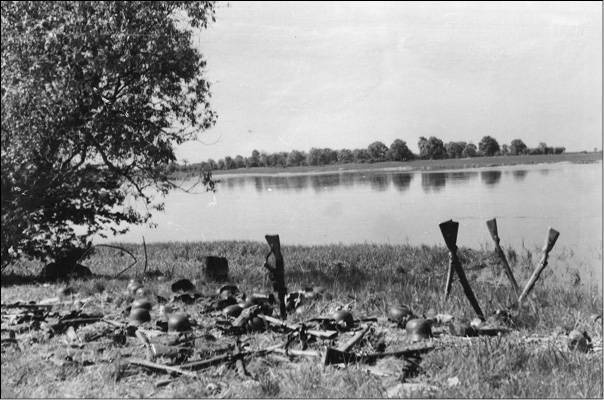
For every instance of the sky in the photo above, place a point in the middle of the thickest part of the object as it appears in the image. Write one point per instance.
(319, 74)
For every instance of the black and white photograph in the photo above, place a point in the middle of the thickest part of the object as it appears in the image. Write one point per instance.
(301, 199)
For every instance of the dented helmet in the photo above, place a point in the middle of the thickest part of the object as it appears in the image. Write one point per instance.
(418, 329)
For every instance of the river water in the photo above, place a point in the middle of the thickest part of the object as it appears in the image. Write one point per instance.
(398, 207)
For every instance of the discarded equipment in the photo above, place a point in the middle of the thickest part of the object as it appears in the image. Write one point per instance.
(139, 316)
(400, 314)
(216, 268)
(179, 322)
(142, 303)
(492, 226)
(335, 356)
(550, 241)
(449, 231)
(419, 329)
(276, 272)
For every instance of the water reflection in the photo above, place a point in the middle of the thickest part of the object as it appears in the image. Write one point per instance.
(520, 174)
(433, 181)
(461, 176)
(402, 181)
(379, 182)
(490, 178)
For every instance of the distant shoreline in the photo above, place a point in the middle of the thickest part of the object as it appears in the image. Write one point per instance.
(412, 166)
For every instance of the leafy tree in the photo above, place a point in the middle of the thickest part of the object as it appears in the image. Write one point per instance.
(94, 97)
(469, 150)
(295, 158)
(263, 160)
(345, 156)
(377, 151)
(254, 160)
(505, 150)
(361, 155)
(328, 156)
(221, 164)
(212, 164)
(488, 146)
(281, 159)
(314, 157)
(455, 149)
(399, 151)
(432, 148)
(559, 150)
(517, 147)
(229, 163)
(239, 162)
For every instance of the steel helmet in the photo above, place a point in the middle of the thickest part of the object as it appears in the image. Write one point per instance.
(343, 318)
(133, 286)
(142, 303)
(400, 314)
(578, 341)
(139, 316)
(255, 324)
(418, 329)
(232, 311)
(227, 291)
(178, 322)
(182, 285)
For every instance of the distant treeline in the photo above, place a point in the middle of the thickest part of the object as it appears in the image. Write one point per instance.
(431, 148)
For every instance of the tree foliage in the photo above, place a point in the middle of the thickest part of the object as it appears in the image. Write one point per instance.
(399, 151)
(377, 151)
(517, 147)
(488, 146)
(432, 148)
(91, 93)
(469, 150)
(455, 149)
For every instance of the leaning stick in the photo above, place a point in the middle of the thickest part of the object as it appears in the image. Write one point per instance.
(550, 241)
(276, 272)
(449, 231)
(492, 226)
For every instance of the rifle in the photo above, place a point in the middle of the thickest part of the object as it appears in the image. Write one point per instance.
(550, 241)
(492, 226)
(277, 273)
(449, 231)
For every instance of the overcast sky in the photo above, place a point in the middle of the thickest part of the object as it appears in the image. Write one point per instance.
(300, 75)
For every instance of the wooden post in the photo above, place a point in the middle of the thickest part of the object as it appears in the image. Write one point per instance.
(550, 240)
(449, 231)
(276, 272)
(492, 226)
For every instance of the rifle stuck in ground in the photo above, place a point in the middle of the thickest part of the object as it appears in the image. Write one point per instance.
(276, 272)
(449, 231)
(492, 226)
(550, 241)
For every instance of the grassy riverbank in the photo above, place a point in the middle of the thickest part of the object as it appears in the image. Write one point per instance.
(416, 165)
(363, 278)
